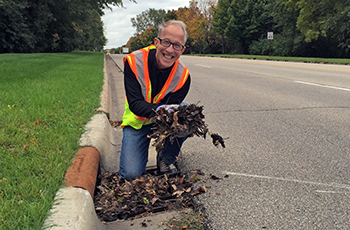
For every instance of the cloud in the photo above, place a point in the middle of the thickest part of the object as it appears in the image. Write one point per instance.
(117, 23)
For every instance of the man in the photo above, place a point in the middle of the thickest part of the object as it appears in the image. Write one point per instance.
(154, 77)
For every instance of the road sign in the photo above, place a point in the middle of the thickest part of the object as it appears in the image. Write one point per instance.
(125, 50)
(270, 35)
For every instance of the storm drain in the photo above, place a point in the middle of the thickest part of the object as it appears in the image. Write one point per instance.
(118, 199)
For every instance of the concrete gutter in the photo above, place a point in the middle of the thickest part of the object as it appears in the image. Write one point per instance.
(100, 148)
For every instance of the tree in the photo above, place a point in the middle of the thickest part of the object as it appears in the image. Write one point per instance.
(197, 18)
(147, 36)
(148, 18)
(134, 43)
(303, 28)
(245, 22)
(142, 40)
(328, 19)
(221, 19)
(22, 25)
(241, 22)
(282, 20)
(313, 15)
(206, 9)
(339, 26)
(325, 24)
(76, 25)
(52, 26)
(170, 15)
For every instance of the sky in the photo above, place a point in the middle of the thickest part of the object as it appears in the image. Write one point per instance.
(117, 23)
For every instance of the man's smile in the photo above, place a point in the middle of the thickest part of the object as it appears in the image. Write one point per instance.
(168, 56)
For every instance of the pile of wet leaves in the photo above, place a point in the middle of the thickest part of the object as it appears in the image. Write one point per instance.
(116, 198)
(179, 121)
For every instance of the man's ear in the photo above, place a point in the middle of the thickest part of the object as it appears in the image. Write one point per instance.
(183, 50)
(156, 41)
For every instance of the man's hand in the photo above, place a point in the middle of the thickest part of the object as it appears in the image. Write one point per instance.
(182, 133)
(169, 108)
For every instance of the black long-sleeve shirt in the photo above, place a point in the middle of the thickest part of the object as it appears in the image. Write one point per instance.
(158, 77)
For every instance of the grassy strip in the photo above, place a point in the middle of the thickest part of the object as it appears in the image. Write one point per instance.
(277, 58)
(45, 102)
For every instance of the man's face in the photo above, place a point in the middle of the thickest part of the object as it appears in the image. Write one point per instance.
(166, 56)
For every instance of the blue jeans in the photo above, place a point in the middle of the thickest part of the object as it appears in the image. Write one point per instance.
(134, 151)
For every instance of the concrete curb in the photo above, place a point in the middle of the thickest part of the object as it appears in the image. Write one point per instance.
(102, 136)
(74, 208)
(100, 147)
(83, 172)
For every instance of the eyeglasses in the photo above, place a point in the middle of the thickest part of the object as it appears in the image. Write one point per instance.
(167, 43)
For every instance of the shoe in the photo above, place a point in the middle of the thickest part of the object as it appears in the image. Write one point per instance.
(163, 167)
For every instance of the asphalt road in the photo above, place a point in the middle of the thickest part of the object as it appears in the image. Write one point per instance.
(285, 165)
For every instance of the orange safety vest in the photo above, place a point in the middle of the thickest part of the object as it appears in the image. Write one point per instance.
(138, 62)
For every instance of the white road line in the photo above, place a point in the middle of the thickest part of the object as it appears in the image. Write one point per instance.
(325, 86)
(331, 192)
(335, 185)
(206, 66)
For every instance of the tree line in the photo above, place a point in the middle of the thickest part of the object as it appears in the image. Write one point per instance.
(307, 28)
(52, 26)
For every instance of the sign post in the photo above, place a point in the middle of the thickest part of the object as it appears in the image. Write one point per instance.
(270, 37)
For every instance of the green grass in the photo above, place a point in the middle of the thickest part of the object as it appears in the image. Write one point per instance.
(278, 58)
(45, 102)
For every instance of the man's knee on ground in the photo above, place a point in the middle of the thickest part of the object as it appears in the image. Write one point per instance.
(129, 174)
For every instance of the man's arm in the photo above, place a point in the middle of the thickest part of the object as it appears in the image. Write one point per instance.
(137, 103)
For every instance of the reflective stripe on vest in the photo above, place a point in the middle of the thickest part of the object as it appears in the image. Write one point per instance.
(138, 62)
